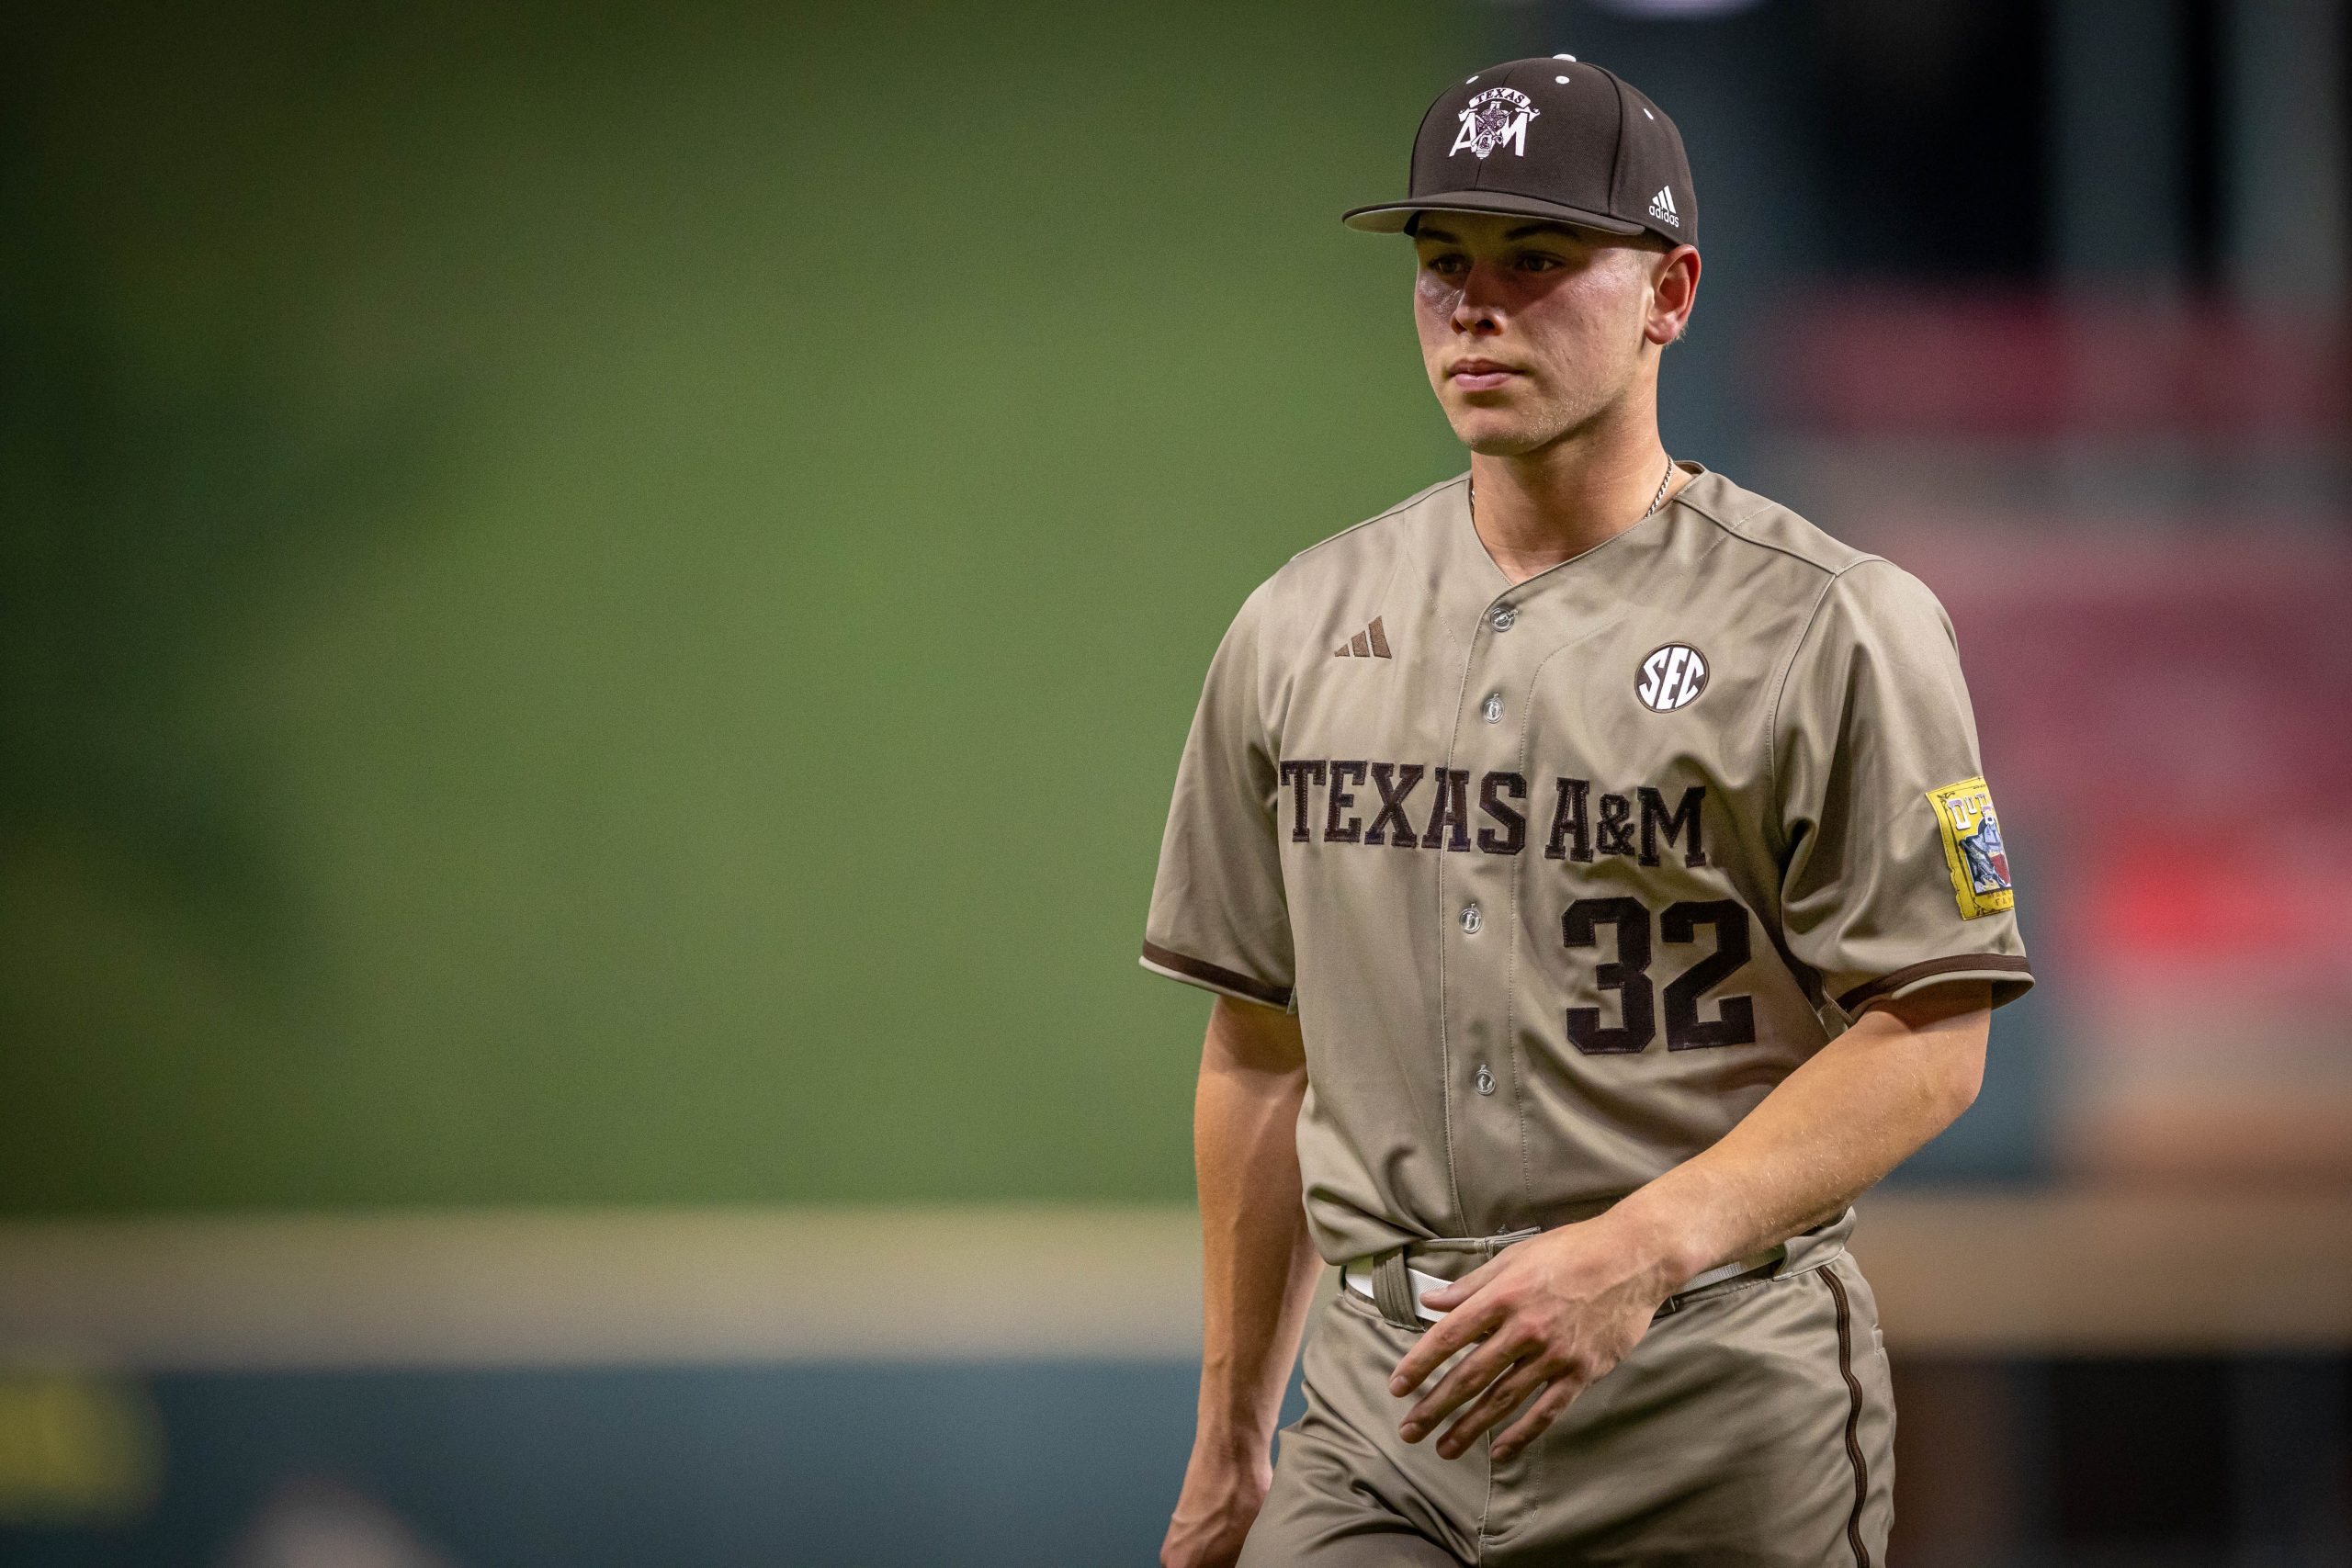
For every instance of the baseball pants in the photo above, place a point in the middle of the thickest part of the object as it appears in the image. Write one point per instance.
(1754, 1424)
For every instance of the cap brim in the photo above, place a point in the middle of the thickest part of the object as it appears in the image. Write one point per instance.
(1390, 217)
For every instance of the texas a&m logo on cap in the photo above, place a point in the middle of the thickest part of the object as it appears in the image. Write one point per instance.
(1978, 860)
(1496, 117)
(1672, 678)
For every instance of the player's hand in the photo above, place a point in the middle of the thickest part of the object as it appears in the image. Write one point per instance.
(1554, 1313)
(1219, 1502)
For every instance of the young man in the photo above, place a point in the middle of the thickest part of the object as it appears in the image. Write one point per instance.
(1594, 863)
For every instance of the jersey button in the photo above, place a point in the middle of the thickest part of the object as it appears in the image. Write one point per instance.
(1486, 1080)
(1470, 918)
(1502, 617)
(1493, 708)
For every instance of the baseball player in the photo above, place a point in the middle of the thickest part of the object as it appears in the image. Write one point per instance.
(1597, 873)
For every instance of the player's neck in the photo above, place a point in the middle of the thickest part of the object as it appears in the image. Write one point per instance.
(1538, 509)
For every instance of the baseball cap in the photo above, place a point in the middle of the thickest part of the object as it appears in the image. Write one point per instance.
(1549, 137)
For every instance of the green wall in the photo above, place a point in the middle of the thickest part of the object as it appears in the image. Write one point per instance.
(605, 609)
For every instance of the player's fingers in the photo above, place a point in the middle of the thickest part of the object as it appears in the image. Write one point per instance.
(1453, 1295)
(1498, 1401)
(1546, 1409)
(1478, 1369)
(1465, 1322)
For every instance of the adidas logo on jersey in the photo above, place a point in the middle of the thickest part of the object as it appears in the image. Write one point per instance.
(1369, 643)
(1662, 208)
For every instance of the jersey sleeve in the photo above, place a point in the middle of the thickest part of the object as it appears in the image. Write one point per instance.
(1894, 876)
(1218, 917)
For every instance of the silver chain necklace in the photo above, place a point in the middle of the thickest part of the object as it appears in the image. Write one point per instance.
(1655, 501)
(1660, 499)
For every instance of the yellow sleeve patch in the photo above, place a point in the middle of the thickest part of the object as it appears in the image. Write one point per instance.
(1979, 861)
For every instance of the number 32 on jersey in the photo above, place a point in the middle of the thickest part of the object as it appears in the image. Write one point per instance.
(1628, 975)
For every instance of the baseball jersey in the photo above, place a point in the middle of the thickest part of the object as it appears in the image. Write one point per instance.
(1562, 877)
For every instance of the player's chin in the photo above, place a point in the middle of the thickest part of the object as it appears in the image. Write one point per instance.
(1501, 422)
(1497, 433)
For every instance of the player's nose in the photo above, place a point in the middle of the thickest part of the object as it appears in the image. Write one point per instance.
(1471, 316)
(1479, 306)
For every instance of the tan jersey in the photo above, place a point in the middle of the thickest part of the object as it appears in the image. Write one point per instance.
(1562, 877)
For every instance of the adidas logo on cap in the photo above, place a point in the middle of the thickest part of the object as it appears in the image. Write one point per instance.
(1662, 208)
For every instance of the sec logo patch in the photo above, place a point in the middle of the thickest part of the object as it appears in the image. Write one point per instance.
(1672, 678)
(1979, 861)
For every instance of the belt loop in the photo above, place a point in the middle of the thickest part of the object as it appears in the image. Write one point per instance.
(1392, 1291)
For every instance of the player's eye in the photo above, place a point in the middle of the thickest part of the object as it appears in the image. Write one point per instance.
(1539, 261)
(1446, 262)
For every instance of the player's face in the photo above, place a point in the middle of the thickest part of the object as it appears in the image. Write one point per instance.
(1531, 330)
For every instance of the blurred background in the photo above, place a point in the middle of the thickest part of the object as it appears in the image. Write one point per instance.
(597, 609)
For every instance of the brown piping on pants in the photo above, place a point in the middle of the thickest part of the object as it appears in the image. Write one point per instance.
(1853, 1420)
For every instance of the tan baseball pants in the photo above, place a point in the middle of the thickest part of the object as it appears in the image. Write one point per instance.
(1753, 1424)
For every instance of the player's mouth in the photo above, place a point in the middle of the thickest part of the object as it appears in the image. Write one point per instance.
(1479, 375)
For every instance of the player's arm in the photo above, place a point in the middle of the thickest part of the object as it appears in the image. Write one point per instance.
(1855, 1109)
(1559, 1310)
(1257, 1275)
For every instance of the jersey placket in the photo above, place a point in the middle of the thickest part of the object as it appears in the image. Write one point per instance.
(1478, 926)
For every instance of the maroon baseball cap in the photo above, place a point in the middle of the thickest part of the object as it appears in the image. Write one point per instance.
(1556, 139)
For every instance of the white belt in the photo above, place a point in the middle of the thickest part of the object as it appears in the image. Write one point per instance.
(1358, 1277)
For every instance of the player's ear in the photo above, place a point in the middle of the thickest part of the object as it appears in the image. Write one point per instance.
(1674, 288)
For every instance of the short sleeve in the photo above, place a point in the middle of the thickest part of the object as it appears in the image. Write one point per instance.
(1218, 917)
(1894, 875)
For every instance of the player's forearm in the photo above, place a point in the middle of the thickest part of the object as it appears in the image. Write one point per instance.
(1257, 1263)
(1827, 1132)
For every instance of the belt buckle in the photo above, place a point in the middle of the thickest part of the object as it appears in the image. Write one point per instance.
(1396, 1288)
